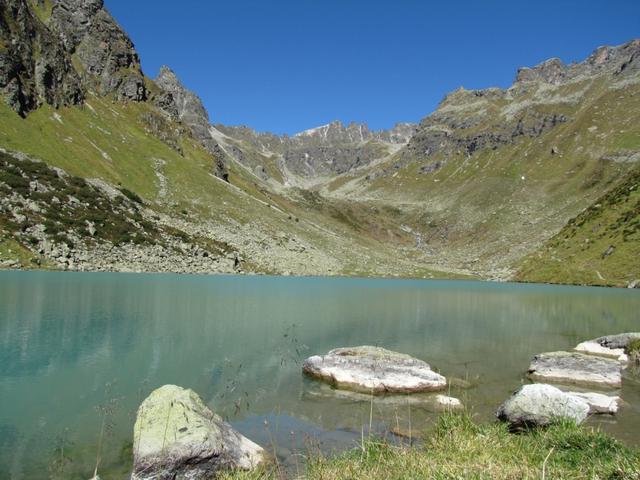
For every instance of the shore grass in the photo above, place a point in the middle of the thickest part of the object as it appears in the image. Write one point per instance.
(459, 448)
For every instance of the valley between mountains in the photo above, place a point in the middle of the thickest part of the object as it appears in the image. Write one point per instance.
(104, 168)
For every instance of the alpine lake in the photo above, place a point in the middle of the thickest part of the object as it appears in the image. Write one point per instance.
(80, 351)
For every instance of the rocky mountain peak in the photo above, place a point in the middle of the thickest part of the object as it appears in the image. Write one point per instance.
(550, 71)
(621, 59)
(186, 106)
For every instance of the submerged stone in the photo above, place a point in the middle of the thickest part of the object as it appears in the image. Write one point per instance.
(598, 402)
(539, 405)
(374, 370)
(176, 436)
(574, 368)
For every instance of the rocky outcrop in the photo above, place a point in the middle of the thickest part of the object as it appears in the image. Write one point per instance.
(467, 121)
(176, 436)
(35, 58)
(572, 368)
(539, 405)
(106, 54)
(35, 68)
(374, 370)
(610, 346)
(619, 60)
(187, 107)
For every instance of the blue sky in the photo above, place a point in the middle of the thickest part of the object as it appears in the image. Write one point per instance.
(288, 65)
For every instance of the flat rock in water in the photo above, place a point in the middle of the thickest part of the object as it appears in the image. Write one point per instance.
(610, 346)
(598, 403)
(594, 348)
(374, 370)
(574, 368)
(539, 405)
(176, 436)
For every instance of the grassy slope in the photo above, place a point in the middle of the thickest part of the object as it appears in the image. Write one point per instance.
(459, 449)
(577, 254)
(113, 142)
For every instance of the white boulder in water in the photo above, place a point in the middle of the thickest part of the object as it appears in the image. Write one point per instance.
(539, 405)
(374, 370)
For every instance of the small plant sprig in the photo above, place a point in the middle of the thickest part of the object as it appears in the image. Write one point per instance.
(106, 411)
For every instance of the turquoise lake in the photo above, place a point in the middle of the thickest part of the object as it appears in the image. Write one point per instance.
(74, 345)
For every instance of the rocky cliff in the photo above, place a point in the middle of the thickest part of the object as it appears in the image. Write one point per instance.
(35, 67)
(186, 106)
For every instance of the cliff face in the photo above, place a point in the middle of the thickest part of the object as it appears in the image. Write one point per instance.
(106, 56)
(186, 106)
(35, 67)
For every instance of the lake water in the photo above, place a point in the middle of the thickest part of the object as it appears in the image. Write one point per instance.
(74, 345)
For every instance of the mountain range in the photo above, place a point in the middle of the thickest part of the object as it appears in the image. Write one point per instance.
(104, 168)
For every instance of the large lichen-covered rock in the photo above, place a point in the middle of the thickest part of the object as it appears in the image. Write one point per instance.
(177, 437)
(374, 370)
(538, 405)
(574, 368)
(35, 68)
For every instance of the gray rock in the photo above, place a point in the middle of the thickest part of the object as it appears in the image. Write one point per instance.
(176, 436)
(538, 405)
(575, 369)
(610, 346)
(374, 370)
(621, 340)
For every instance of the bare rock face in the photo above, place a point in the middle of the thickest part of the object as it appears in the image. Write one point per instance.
(538, 405)
(374, 370)
(35, 68)
(572, 368)
(187, 107)
(106, 53)
(177, 437)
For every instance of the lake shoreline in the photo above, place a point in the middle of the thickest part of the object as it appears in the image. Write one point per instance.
(240, 273)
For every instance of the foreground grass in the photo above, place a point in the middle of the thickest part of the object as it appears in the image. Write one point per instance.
(461, 449)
